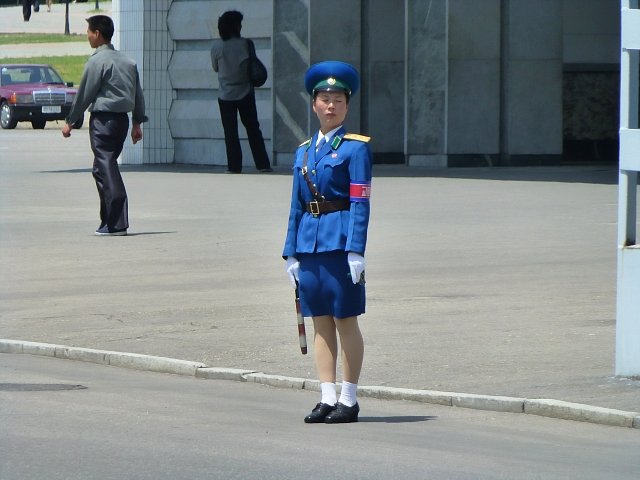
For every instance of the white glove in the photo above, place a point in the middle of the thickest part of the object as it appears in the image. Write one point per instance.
(293, 270)
(356, 265)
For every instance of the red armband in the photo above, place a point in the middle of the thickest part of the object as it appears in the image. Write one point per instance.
(360, 191)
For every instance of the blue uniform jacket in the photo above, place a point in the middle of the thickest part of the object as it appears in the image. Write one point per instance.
(340, 169)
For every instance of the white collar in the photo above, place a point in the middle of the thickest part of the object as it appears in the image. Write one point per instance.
(328, 136)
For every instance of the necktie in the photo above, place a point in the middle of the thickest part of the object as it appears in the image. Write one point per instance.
(321, 143)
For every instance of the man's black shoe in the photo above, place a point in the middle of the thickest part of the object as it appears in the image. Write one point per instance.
(319, 413)
(343, 414)
(104, 231)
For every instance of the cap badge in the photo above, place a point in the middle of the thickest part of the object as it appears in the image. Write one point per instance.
(331, 81)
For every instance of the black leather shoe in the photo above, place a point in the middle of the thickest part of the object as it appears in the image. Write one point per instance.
(343, 414)
(104, 231)
(318, 414)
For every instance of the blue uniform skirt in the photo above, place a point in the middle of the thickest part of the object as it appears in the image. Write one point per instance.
(326, 287)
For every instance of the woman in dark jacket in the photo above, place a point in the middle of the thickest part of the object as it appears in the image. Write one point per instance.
(229, 58)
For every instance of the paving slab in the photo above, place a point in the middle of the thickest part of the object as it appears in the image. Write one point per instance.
(46, 50)
(497, 282)
(11, 20)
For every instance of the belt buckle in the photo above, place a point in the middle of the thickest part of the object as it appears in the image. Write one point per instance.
(314, 207)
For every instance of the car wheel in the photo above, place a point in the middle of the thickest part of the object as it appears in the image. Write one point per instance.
(6, 117)
(78, 124)
(38, 124)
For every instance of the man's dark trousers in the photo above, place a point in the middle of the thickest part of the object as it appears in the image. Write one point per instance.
(246, 107)
(107, 133)
(26, 9)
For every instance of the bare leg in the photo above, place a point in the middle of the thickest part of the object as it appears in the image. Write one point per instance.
(352, 348)
(325, 343)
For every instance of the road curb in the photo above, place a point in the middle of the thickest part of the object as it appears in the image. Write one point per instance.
(581, 413)
(216, 373)
(542, 407)
(103, 357)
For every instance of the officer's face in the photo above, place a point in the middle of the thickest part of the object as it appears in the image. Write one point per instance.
(331, 109)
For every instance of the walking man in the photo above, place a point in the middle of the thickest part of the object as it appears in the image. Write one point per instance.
(110, 89)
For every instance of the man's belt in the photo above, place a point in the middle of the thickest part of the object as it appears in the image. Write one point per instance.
(325, 206)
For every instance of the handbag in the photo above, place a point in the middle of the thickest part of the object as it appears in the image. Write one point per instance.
(256, 69)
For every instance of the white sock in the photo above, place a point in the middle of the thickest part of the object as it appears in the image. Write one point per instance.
(328, 390)
(348, 394)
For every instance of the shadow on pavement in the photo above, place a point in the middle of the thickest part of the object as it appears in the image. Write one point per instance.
(405, 419)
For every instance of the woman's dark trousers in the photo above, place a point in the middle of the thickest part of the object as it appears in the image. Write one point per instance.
(246, 107)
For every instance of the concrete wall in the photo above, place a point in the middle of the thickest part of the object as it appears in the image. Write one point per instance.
(307, 33)
(426, 82)
(194, 116)
(591, 31)
(441, 79)
(473, 119)
(532, 96)
(141, 33)
(128, 19)
(290, 59)
(591, 56)
(383, 70)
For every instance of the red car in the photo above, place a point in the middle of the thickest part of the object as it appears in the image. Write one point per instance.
(33, 93)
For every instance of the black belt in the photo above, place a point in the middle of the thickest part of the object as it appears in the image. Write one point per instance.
(319, 204)
(109, 113)
(317, 207)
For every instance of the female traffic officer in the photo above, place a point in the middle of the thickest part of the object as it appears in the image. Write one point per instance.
(327, 235)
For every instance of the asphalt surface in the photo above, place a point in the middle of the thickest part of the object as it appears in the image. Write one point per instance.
(11, 21)
(486, 281)
(77, 421)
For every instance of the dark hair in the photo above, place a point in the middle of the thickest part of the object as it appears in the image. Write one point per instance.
(230, 24)
(103, 24)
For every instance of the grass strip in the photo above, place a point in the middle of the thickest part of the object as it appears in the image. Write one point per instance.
(69, 66)
(20, 38)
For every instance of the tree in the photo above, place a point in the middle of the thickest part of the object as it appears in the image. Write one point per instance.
(66, 19)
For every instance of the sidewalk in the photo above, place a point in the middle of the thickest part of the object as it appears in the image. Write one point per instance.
(495, 282)
(11, 21)
(484, 281)
(46, 50)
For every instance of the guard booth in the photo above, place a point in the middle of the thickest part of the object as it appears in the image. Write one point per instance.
(628, 294)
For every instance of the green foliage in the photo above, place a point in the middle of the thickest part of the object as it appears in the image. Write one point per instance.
(70, 67)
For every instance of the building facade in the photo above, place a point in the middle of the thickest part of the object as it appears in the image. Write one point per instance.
(444, 82)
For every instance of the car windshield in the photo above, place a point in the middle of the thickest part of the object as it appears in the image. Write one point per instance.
(29, 74)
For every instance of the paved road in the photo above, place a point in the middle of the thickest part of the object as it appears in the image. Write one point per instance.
(45, 50)
(488, 281)
(49, 22)
(127, 424)
(498, 281)
(11, 20)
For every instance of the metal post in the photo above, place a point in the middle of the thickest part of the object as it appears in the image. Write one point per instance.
(628, 294)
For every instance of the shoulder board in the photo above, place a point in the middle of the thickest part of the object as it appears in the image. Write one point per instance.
(305, 143)
(355, 136)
